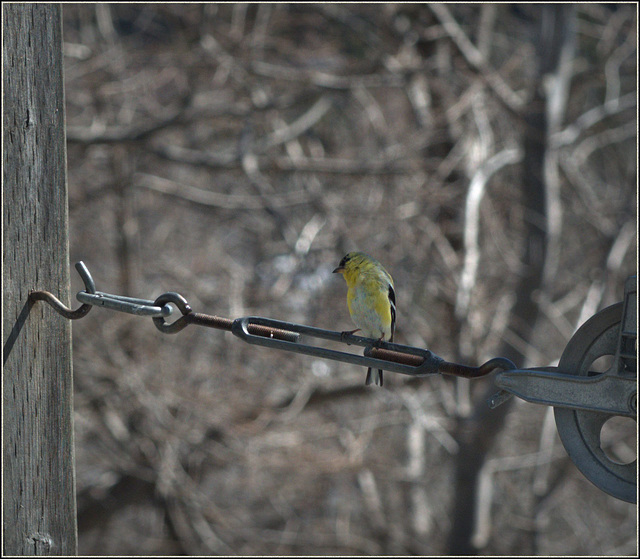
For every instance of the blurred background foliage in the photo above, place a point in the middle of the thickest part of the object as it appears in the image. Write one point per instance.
(234, 153)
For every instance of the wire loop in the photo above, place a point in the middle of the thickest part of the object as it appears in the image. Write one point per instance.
(180, 302)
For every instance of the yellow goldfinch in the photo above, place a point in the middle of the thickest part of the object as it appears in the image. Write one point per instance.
(370, 298)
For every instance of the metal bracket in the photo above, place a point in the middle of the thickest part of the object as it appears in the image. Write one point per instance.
(605, 393)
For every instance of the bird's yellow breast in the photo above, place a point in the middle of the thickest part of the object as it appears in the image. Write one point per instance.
(370, 308)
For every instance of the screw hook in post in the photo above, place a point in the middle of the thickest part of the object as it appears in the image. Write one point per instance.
(58, 305)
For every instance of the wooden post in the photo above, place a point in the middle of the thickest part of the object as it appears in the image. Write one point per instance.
(38, 454)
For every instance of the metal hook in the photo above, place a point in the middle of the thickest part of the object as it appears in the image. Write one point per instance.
(58, 305)
(90, 297)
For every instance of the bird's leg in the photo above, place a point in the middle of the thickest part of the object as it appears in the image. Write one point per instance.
(379, 380)
(346, 333)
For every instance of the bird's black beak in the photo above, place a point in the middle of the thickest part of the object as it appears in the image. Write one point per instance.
(339, 270)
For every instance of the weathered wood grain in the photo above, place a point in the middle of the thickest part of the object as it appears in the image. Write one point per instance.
(38, 453)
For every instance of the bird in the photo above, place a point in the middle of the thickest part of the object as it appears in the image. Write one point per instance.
(371, 300)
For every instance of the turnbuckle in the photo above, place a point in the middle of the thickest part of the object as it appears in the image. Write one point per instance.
(267, 332)
(290, 336)
(388, 356)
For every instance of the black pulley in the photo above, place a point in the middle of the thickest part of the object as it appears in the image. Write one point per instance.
(579, 430)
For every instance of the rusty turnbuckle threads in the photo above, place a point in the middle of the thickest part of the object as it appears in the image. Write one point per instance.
(221, 323)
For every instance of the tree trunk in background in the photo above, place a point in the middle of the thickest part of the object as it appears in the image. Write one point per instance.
(477, 433)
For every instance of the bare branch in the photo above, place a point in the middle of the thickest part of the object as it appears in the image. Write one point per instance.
(215, 199)
(612, 67)
(475, 194)
(298, 127)
(122, 134)
(592, 117)
(323, 79)
(476, 59)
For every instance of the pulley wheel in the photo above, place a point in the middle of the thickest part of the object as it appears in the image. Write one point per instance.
(580, 430)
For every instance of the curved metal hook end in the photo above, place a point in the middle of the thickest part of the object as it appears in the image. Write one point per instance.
(86, 277)
(58, 305)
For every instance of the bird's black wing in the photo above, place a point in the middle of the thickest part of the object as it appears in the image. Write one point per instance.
(392, 302)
